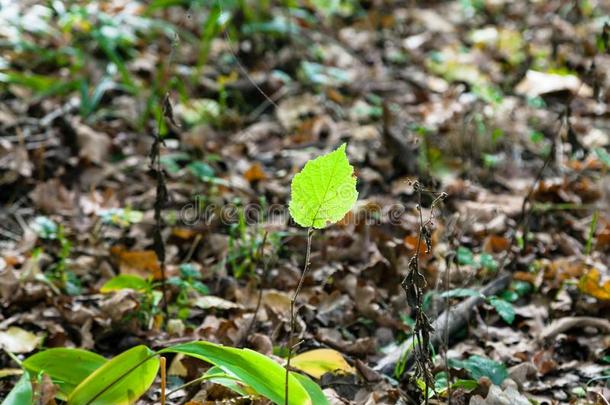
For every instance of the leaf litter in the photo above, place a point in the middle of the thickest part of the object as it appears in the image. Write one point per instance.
(501, 105)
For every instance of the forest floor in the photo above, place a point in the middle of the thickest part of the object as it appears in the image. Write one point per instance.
(479, 132)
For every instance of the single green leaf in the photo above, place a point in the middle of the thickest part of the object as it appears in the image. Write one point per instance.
(488, 262)
(124, 281)
(467, 385)
(259, 372)
(461, 292)
(324, 191)
(66, 367)
(21, 394)
(120, 381)
(479, 367)
(505, 309)
(313, 389)
(603, 155)
(465, 256)
(218, 376)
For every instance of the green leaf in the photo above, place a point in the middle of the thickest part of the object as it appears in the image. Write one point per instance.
(124, 281)
(464, 256)
(120, 381)
(21, 393)
(313, 389)
(503, 308)
(66, 367)
(259, 372)
(324, 191)
(218, 376)
(479, 367)
(488, 262)
(461, 292)
(603, 155)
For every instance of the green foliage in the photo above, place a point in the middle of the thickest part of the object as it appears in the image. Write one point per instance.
(149, 298)
(479, 367)
(324, 191)
(126, 281)
(516, 290)
(188, 282)
(603, 155)
(84, 377)
(503, 308)
(259, 372)
(21, 393)
(54, 361)
(441, 384)
(121, 380)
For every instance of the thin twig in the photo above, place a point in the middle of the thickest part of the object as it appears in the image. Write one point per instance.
(162, 360)
(292, 315)
(259, 256)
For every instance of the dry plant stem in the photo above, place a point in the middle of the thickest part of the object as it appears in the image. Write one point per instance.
(160, 200)
(163, 379)
(292, 315)
(259, 256)
(448, 323)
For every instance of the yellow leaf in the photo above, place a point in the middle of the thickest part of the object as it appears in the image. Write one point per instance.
(320, 361)
(590, 284)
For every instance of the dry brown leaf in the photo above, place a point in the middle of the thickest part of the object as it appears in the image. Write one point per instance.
(496, 244)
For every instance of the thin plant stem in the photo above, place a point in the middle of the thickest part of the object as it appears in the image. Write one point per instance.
(259, 258)
(292, 314)
(201, 379)
(162, 360)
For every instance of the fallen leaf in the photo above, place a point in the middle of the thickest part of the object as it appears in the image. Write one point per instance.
(255, 173)
(590, 284)
(496, 244)
(17, 340)
(143, 263)
(210, 301)
(537, 83)
(318, 362)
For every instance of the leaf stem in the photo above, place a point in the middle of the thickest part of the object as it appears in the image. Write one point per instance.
(292, 314)
(201, 379)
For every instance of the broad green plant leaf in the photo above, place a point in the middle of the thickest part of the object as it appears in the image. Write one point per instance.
(218, 376)
(479, 367)
(66, 367)
(318, 362)
(120, 381)
(21, 393)
(124, 281)
(262, 374)
(461, 292)
(324, 191)
(503, 308)
(313, 389)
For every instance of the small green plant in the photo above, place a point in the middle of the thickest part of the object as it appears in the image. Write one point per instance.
(320, 195)
(188, 282)
(149, 296)
(86, 378)
(504, 308)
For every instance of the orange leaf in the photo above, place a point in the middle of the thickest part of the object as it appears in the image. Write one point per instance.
(590, 284)
(143, 263)
(255, 173)
(496, 244)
